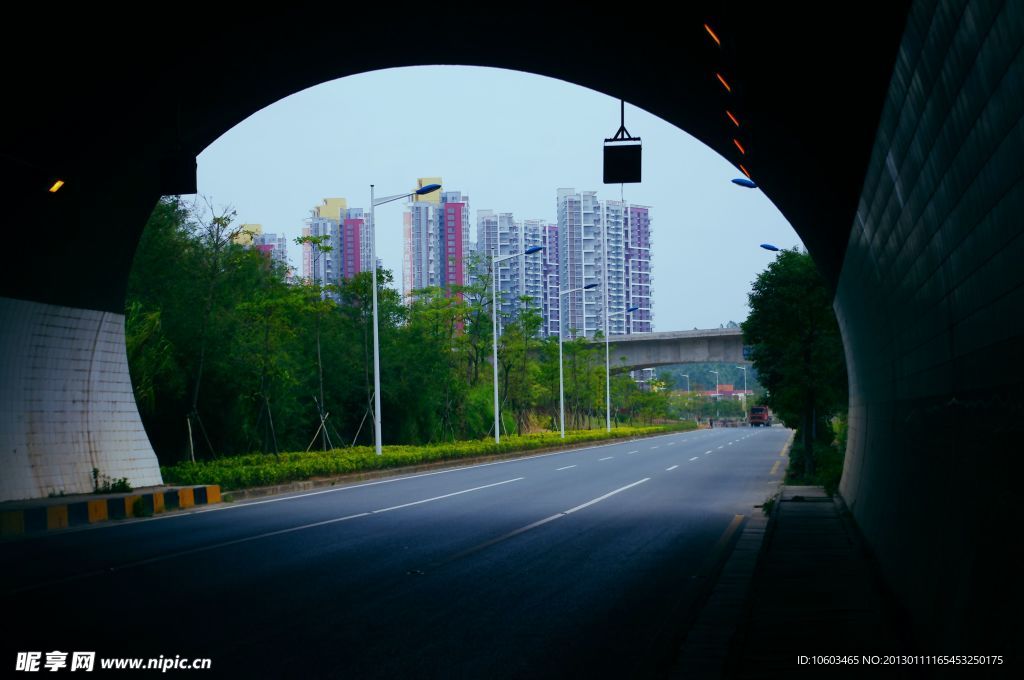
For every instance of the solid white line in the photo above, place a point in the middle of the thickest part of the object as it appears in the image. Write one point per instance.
(566, 467)
(608, 458)
(671, 468)
(447, 495)
(693, 459)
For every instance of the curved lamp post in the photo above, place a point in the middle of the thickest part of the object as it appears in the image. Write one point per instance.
(374, 202)
(494, 324)
(607, 367)
(561, 382)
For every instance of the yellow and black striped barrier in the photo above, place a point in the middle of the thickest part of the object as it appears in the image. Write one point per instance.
(33, 517)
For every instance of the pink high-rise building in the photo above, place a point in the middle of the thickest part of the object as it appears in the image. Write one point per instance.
(453, 239)
(354, 248)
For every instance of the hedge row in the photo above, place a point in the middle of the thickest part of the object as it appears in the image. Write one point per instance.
(259, 469)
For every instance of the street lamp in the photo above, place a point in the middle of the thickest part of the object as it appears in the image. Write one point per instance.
(769, 246)
(744, 369)
(561, 382)
(716, 382)
(374, 202)
(494, 323)
(607, 365)
(684, 375)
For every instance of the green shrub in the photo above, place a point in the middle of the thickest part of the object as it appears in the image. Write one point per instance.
(239, 472)
(101, 483)
(828, 466)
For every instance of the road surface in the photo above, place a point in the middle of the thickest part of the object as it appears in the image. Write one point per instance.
(582, 563)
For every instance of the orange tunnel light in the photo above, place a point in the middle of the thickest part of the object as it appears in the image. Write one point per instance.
(733, 118)
(739, 146)
(745, 171)
(56, 186)
(724, 84)
(712, 34)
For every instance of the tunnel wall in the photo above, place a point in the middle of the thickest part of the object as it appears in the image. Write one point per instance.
(66, 402)
(930, 301)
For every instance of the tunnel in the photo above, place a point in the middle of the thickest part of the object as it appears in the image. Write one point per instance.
(890, 137)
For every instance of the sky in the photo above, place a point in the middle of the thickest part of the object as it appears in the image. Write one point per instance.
(508, 140)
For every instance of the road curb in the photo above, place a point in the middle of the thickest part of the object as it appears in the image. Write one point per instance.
(44, 515)
(721, 620)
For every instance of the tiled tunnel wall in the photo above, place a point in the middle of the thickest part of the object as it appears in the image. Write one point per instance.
(66, 402)
(931, 306)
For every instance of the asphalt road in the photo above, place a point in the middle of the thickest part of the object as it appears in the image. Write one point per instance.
(585, 563)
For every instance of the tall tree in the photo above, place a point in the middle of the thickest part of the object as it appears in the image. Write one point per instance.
(320, 304)
(796, 345)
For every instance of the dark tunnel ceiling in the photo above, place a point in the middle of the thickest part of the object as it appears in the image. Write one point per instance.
(808, 81)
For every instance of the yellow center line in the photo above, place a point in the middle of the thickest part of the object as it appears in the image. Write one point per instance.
(775, 468)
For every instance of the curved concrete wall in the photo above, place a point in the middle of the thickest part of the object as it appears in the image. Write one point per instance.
(930, 303)
(66, 402)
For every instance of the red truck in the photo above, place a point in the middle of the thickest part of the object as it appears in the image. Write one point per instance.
(760, 416)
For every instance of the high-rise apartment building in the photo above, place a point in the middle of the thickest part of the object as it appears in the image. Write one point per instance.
(273, 246)
(518, 277)
(246, 233)
(611, 265)
(421, 247)
(608, 244)
(353, 243)
(452, 220)
(550, 278)
(307, 255)
(437, 245)
(579, 225)
(419, 260)
(638, 278)
(531, 267)
(324, 220)
(347, 238)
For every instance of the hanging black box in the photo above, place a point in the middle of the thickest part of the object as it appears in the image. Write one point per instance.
(621, 162)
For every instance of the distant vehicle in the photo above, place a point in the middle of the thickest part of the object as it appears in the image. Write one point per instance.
(760, 416)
